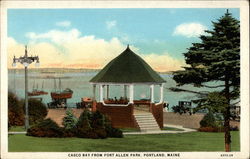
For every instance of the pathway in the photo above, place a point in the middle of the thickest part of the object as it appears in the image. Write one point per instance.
(14, 133)
(163, 131)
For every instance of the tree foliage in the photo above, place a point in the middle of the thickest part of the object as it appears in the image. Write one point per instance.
(69, 121)
(95, 125)
(208, 120)
(15, 111)
(45, 128)
(213, 102)
(216, 58)
(37, 110)
(83, 127)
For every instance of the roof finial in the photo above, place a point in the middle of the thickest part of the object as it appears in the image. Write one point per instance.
(128, 46)
(227, 11)
(26, 50)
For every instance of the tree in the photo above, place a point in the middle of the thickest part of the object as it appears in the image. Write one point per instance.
(208, 120)
(216, 58)
(69, 121)
(45, 128)
(37, 110)
(83, 126)
(15, 111)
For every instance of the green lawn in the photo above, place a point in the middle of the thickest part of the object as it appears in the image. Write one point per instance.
(17, 128)
(129, 130)
(193, 141)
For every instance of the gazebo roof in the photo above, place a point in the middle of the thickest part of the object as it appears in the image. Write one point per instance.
(127, 68)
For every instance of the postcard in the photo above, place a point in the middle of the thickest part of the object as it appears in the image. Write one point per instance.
(125, 79)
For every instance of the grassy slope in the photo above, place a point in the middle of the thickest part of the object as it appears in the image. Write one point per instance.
(195, 141)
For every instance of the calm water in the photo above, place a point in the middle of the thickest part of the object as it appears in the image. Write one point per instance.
(79, 83)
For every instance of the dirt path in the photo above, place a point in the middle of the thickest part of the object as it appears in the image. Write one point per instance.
(58, 114)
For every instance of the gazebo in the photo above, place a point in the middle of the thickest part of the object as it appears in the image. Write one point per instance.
(128, 70)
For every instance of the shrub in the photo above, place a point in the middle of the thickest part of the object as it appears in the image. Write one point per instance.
(208, 120)
(96, 125)
(37, 111)
(69, 121)
(90, 125)
(111, 131)
(208, 129)
(114, 132)
(83, 128)
(45, 128)
(68, 132)
(15, 111)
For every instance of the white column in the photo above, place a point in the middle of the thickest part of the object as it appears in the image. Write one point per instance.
(131, 93)
(94, 95)
(101, 93)
(161, 92)
(107, 92)
(152, 93)
(125, 91)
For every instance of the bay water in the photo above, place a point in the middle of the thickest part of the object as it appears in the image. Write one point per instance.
(79, 83)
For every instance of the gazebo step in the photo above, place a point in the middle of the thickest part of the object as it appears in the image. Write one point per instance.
(148, 116)
(142, 114)
(147, 122)
(144, 117)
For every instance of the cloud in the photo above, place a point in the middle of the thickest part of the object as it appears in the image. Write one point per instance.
(110, 24)
(64, 24)
(79, 51)
(163, 62)
(190, 29)
(55, 36)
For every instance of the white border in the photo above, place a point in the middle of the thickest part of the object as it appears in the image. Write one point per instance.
(244, 18)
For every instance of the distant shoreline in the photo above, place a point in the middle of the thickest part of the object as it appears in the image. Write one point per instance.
(65, 70)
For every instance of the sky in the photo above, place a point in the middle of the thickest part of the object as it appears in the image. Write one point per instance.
(90, 38)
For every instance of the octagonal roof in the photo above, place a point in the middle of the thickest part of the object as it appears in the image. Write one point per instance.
(127, 68)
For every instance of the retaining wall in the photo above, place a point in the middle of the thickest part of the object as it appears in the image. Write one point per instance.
(121, 117)
(185, 120)
(157, 111)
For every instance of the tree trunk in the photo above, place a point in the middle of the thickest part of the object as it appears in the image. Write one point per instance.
(227, 118)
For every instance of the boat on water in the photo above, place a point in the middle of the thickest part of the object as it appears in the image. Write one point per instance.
(65, 94)
(59, 97)
(36, 92)
(59, 93)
